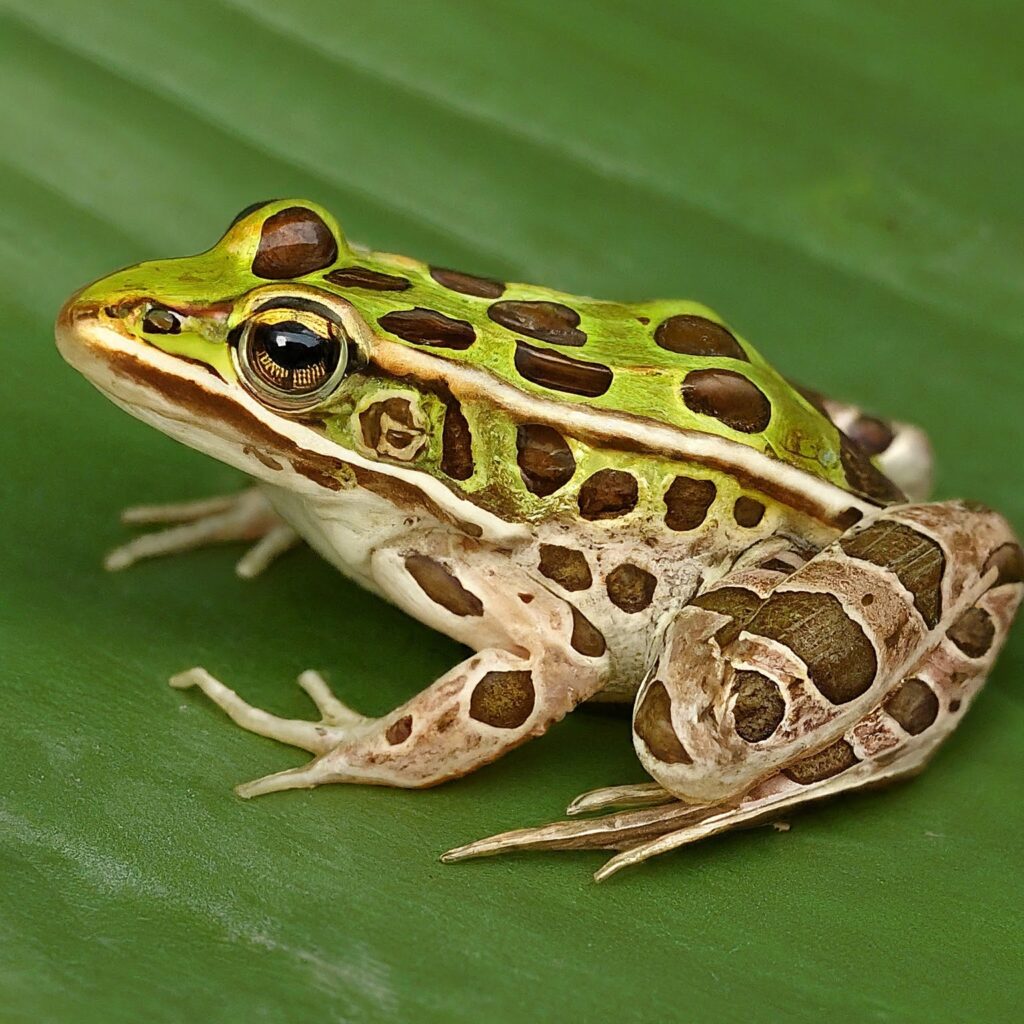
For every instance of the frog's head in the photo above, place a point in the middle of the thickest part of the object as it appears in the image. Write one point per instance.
(234, 351)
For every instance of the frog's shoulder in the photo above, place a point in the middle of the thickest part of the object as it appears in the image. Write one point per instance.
(670, 362)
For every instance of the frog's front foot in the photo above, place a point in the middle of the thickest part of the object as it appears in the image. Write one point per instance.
(246, 516)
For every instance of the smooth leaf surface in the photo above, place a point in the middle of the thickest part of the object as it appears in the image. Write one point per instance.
(841, 180)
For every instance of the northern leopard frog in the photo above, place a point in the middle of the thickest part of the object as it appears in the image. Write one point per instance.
(604, 501)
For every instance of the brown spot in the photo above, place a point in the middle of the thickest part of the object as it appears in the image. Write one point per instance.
(653, 724)
(364, 277)
(390, 427)
(867, 600)
(467, 284)
(913, 705)
(545, 460)
(954, 706)
(849, 517)
(697, 336)
(560, 373)
(1009, 561)
(916, 560)
(872, 434)
(728, 396)
(400, 731)
(777, 565)
(645, 320)
(442, 587)
(566, 566)
(839, 657)
(759, 707)
(293, 242)
(863, 476)
(973, 632)
(630, 587)
(738, 603)
(586, 638)
(503, 699)
(526, 598)
(607, 494)
(456, 442)
(822, 765)
(747, 512)
(546, 321)
(687, 501)
(428, 327)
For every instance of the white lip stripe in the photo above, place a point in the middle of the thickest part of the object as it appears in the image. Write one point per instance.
(613, 427)
(94, 335)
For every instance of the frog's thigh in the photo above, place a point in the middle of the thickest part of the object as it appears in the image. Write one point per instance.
(746, 688)
(539, 658)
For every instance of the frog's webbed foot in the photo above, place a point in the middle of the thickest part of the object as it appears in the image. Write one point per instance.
(246, 516)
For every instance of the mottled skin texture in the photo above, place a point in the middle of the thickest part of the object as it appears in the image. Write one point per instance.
(597, 498)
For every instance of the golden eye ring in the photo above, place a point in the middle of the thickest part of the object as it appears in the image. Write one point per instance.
(291, 357)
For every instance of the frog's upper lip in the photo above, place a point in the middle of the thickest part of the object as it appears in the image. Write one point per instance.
(73, 316)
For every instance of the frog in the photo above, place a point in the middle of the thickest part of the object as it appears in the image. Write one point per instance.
(602, 501)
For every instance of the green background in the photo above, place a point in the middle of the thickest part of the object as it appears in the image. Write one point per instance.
(843, 181)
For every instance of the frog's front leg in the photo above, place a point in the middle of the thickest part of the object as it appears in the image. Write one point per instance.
(245, 516)
(537, 658)
(850, 671)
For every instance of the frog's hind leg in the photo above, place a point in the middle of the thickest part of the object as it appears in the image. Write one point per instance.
(246, 516)
(713, 727)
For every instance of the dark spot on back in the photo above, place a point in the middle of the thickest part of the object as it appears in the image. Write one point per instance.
(916, 560)
(729, 397)
(913, 705)
(545, 459)
(839, 657)
(653, 724)
(822, 765)
(697, 336)
(442, 587)
(364, 277)
(560, 373)
(293, 242)
(428, 327)
(973, 632)
(467, 284)
(630, 587)
(687, 502)
(566, 566)
(759, 707)
(503, 699)
(607, 494)
(547, 321)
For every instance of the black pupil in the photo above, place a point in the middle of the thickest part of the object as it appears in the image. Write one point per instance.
(293, 346)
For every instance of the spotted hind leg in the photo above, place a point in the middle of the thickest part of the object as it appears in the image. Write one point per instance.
(849, 673)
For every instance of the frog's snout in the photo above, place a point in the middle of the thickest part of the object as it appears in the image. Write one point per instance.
(72, 326)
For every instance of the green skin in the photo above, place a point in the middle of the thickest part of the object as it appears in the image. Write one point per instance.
(646, 378)
(587, 526)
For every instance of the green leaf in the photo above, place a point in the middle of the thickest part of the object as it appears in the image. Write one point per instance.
(842, 181)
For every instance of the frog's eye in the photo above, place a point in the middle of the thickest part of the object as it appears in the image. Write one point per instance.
(291, 358)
